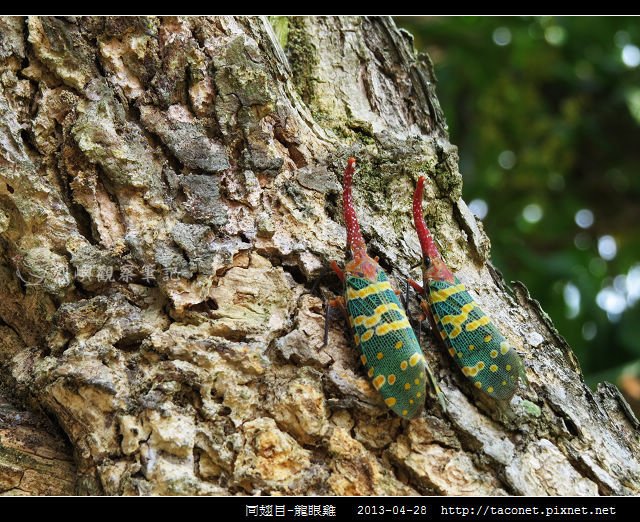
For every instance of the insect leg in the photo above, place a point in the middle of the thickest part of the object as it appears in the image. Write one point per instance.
(330, 304)
(327, 320)
(339, 272)
(406, 296)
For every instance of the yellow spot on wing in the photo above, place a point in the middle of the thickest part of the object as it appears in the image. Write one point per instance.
(490, 389)
(478, 384)
(504, 347)
(407, 386)
(471, 347)
(493, 354)
(379, 355)
(391, 379)
(368, 290)
(416, 381)
(472, 371)
(403, 365)
(404, 412)
(356, 338)
(414, 359)
(487, 338)
(378, 382)
(508, 367)
(410, 401)
(367, 335)
(493, 368)
(437, 296)
(391, 401)
(474, 325)
(398, 345)
(418, 395)
(370, 373)
(452, 352)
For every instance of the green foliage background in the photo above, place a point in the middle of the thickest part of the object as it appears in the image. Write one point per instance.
(546, 115)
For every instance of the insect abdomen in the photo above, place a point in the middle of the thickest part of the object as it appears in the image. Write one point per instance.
(390, 351)
(477, 346)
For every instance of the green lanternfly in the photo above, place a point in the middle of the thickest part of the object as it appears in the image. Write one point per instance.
(480, 350)
(389, 348)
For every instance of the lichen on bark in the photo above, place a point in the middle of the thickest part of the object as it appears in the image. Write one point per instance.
(169, 201)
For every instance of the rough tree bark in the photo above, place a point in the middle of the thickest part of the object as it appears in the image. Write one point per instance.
(34, 458)
(169, 198)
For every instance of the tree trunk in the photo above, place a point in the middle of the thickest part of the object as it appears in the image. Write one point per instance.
(169, 200)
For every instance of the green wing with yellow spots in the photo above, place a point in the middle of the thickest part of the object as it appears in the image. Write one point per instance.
(477, 346)
(390, 351)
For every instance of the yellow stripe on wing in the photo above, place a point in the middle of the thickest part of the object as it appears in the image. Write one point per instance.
(395, 325)
(371, 320)
(458, 319)
(474, 325)
(437, 296)
(371, 289)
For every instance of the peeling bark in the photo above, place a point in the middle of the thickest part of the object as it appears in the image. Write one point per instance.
(169, 195)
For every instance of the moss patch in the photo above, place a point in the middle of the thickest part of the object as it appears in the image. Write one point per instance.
(303, 58)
